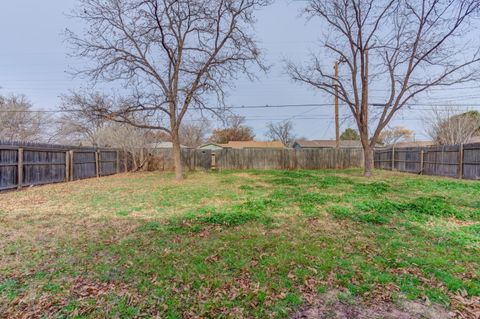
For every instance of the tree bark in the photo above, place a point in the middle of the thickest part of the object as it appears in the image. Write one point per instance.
(369, 164)
(177, 155)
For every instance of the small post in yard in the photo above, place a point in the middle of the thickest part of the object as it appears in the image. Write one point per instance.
(20, 168)
(118, 162)
(213, 162)
(422, 155)
(67, 166)
(460, 162)
(97, 164)
(393, 158)
(70, 166)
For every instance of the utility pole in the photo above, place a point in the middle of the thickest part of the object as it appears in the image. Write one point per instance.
(337, 117)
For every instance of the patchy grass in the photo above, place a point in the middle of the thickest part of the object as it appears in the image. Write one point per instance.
(236, 244)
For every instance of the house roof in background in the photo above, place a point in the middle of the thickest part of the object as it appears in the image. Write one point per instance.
(252, 144)
(328, 144)
(163, 145)
(212, 144)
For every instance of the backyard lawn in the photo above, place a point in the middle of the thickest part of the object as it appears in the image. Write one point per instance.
(238, 245)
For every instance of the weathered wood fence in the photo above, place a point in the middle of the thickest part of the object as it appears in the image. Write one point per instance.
(192, 159)
(28, 164)
(240, 159)
(459, 161)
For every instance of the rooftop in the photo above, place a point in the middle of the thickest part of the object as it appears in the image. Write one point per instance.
(252, 144)
(163, 145)
(327, 144)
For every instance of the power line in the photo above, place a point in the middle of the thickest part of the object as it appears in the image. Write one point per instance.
(417, 107)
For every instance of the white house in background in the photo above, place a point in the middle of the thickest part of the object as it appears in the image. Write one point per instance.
(162, 145)
(212, 146)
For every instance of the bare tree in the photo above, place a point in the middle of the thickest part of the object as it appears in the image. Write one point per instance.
(281, 131)
(194, 134)
(129, 139)
(175, 55)
(18, 122)
(395, 135)
(450, 126)
(77, 124)
(414, 45)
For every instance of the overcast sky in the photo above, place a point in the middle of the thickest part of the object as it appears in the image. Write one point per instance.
(33, 61)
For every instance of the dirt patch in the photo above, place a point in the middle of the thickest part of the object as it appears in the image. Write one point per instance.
(334, 305)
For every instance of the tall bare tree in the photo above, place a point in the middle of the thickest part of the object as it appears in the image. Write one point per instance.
(404, 47)
(18, 121)
(281, 131)
(450, 126)
(175, 55)
(130, 139)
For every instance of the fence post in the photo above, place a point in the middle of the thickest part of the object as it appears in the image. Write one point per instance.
(213, 162)
(67, 166)
(97, 164)
(118, 162)
(421, 161)
(142, 156)
(71, 165)
(393, 158)
(20, 168)
(460, 161)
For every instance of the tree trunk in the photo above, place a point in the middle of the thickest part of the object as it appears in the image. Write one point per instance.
(177, 156)
(369, 164)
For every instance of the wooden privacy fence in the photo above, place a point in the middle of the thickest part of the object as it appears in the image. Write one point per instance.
(459, 161)
(192, 159)
(23, 164)
(239, 159)
(288, 158)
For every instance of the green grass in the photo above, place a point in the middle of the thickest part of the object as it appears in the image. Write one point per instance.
(234, 244)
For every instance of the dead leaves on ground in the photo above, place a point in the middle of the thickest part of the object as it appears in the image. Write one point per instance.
(82, 291)
(465, 307)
